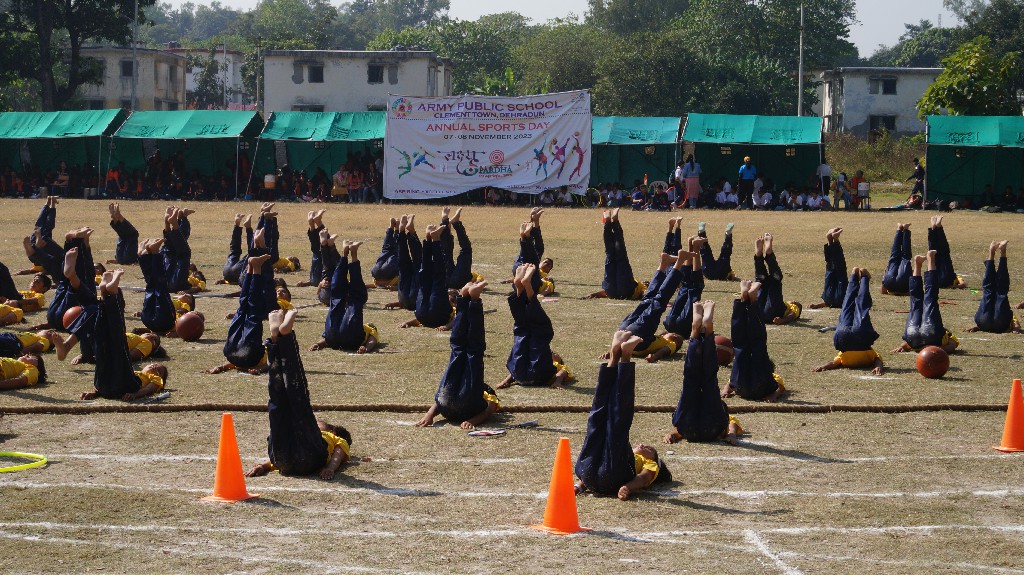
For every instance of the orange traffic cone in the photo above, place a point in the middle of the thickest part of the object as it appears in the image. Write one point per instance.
(560, 517)
(1013, 430)
(229, 482)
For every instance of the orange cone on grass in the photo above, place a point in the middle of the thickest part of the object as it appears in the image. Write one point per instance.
(229, 482)
(560, 516)
(1013, 430)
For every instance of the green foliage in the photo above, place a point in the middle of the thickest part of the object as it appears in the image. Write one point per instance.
(504, 85)
(561, 56)
(209, 81)
(921, 46)
(976, 82)
(882, 159)
(360, 22)
(625, 17)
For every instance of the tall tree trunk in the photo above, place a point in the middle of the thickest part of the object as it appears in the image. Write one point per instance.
(44, 34)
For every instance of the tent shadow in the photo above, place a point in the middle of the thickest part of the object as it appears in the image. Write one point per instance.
(384, 490)
(790, 453)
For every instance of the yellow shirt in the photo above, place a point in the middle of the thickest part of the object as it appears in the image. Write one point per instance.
(946, 338)
(493, 399)
(140, 343)
(284, 304)
(334, 442)
(735, 421)
(17, 311)
(658, 343)
(196, 282)
(147, 378)
(98, 279)
(795, 308)
(180, 307)
(11, 368)
(559, 367)
(778, 380)
(27, 338)
(261, 363)
(638, 292)
(390, 283)
(29, 294)
(370, 331)
(643, 463)
(864, 358)
(477, 277)
(284, 265)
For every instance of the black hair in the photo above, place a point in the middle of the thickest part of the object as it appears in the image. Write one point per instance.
(199, 274)
(41, 366)
(279, 282)
(340, 432)
(287, 291)
(664, 475)
(295, 262)
(47, 282)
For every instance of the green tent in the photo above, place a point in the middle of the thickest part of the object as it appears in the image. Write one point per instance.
(72, 136)
(627, 148)
(967, 152)
(213, 141)
(324, 139)
(783, 148)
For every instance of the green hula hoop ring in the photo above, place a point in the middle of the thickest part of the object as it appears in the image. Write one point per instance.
(37, 461)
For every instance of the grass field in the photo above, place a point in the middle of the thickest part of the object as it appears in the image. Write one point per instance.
(836, 492)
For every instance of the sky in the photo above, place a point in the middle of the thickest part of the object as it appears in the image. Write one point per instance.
(881, 21)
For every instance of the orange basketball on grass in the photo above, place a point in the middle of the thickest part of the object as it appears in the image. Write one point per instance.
(71, 315)
(725, 351)
(190, 326)
(932, 362)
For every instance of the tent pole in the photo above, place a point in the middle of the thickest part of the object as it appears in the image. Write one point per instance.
(99, 166)
(252, 168)
(238, 144)
(925, 199)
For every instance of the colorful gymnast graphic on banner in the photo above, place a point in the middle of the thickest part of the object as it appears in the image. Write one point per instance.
(436, 147)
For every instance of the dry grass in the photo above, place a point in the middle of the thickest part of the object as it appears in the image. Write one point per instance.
(841, 493)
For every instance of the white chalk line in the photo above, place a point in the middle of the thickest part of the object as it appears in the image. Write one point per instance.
(760, 545)
(427, 492)
(154, 458)
(837, 459)
(931, 565)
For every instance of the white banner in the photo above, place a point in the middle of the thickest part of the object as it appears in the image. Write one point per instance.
(436, 147)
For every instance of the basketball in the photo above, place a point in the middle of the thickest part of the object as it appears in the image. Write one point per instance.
(71, 315)
(190, 326)
(932, 362)
(725, 352)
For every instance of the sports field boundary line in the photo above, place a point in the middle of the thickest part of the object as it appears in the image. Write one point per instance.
(407, 408)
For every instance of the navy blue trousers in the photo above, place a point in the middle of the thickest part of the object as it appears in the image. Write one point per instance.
(385, 268)
(619, 282)
(768, 272)
(46, 221)
(158, 312)
(114, 375)
(272, 237)
(410, 258)
(234, 267)
(244, 344)
(343, 328)
(679, 318)
(316, 265)
(7, 287)
(945, 275)
(64, 297)
(10, 346)
(701, 415)
(606, 460)
(531, 250)
(177, 256)
(994, 314)
(897, 272)
(458, 270)
(854, 331)
(329, 260)
(432, 306)
(530, 361)
(295, 445)
(644, 319)
(924, 322)
(673, 242)
(835, 275)
(126, 251)
(752, 368)
(717, 269)
(460, 395)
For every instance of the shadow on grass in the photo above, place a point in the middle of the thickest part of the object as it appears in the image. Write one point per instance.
(716, 508)
(44, 399)
(260, 501)
(790, 453)
(384, 490)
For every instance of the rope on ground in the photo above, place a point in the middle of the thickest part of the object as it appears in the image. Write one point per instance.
(407, 408)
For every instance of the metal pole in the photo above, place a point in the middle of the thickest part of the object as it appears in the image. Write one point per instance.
(226, 74)
(800, 70)
(135, 61)
(259, 70)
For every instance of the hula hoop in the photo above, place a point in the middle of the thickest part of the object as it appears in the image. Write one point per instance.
(38, 460)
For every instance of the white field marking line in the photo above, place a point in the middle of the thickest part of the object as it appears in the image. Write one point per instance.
(758, 543)
(424, 492)
(173, 458)
(220, 554)
(921, 565)
(817, 459)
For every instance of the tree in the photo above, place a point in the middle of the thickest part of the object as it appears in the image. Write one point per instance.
(209, 81)
(976, 82)
(625, 17)
(921, 46)
(57, 30)
(561, 56)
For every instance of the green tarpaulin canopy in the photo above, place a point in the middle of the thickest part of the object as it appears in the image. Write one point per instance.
(966, 153)
(785, 149)
(192, 124)
(72, 136)
(627, 148)
(323, 140)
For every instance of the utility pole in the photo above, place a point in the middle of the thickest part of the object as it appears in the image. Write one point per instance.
(800, 69)
(259, 70)
(135, 60)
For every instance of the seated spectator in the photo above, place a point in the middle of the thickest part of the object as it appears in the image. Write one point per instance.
(564, 198)
(547, 199)
(762, 199)
(638, 199)
(660, 202)
(1009, 200)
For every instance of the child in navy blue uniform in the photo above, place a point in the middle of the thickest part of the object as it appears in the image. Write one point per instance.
(344, 328)
(834, 292)
(854, 333)
(753, 372)
(896, 280)
(924, 322)
(994, 314)
(531, 361)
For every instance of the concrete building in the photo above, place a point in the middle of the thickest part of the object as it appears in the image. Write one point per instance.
(160, 85)
(230, 63)
(863, 101)
(349, 80)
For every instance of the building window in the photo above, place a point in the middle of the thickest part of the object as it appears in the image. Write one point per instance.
(307, 108)
(375, 74)
(172, 75)
(316, 74)
(885, 86)
(172, 105)
(879, 123)
(127, 69)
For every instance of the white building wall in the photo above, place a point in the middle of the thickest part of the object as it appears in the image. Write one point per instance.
(847, 104)
(232, 72)
(160, 86)
(347, 85)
